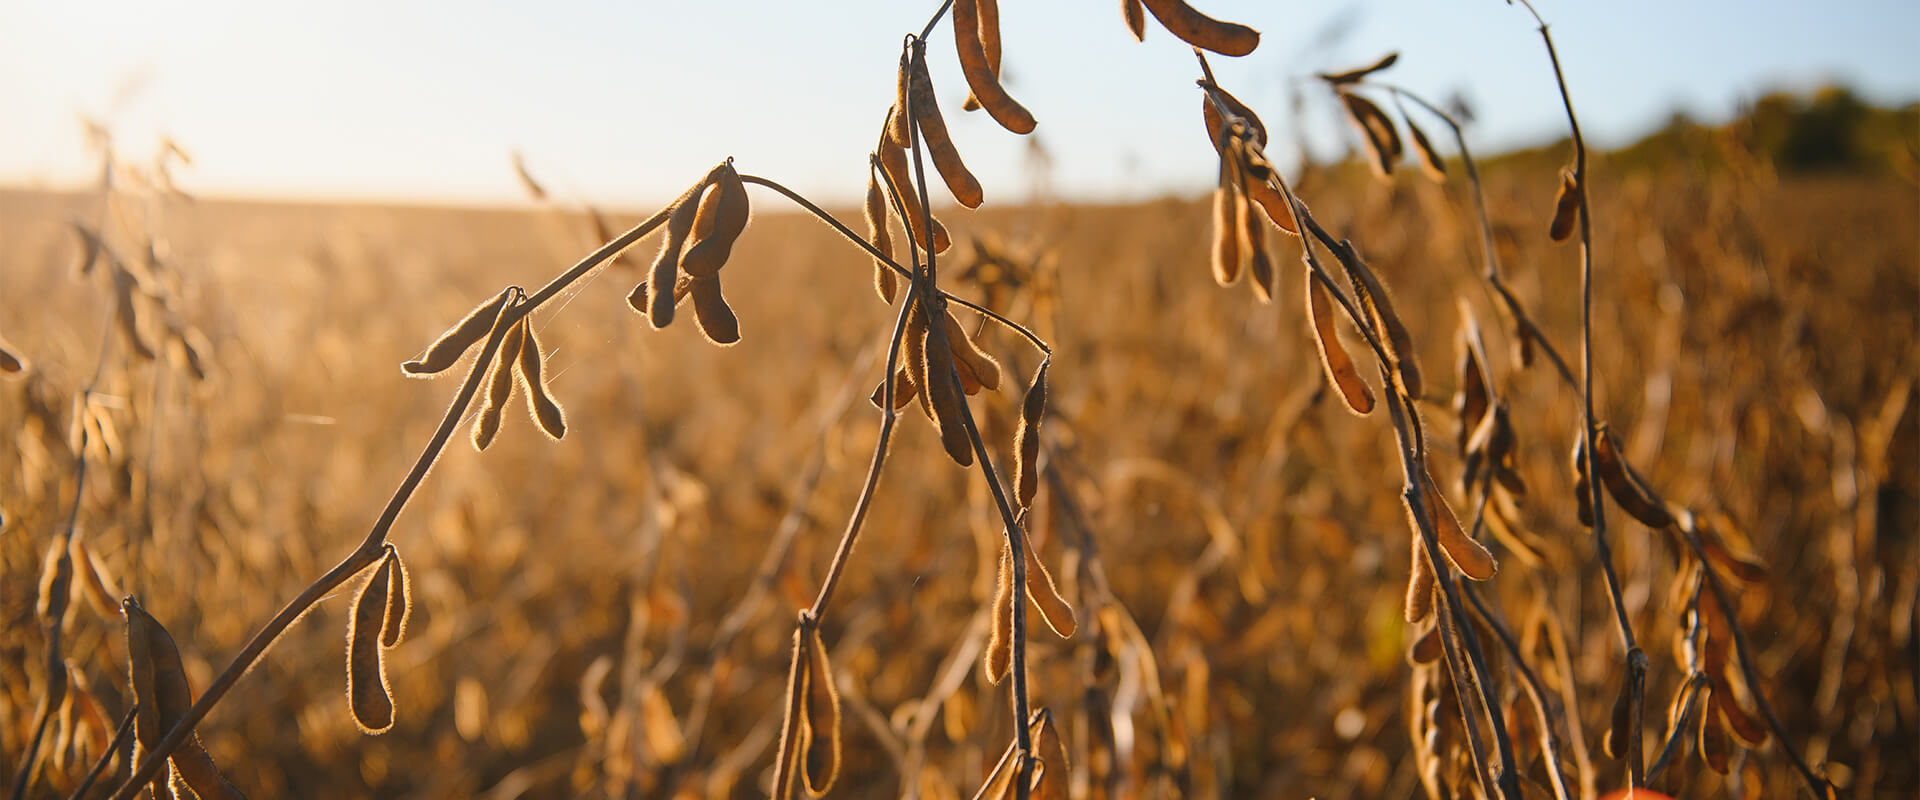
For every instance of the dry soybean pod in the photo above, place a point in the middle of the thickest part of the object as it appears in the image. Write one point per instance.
(1226, 230)
(999, 657)
(1044, 594)
(730, 214)
(919, 224)
(792, 736)
(884, 281)
(666, 266)
(933, 129)
(985, 368)
(981, 67)
(1430, 161)
(989, 32)
(822, 763)
(1383, 141)
(943, 393)
(638, 299)
(546, 412)
(1026, 442)
(1354, 75)
(1419, 604)
(367, 693)
(1628, 489)
(898, 130)
(1200, 30)
(399, 601)
(717, 320)
(499, 387)
(1466, 553)
(1333, 355)
(446, 350)
(171, 697)
(1136, 17)
(913, 350)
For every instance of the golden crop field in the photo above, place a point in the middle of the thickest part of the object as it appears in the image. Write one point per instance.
(612, 614)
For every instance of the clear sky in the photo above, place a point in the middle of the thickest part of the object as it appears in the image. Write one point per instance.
(623, 103)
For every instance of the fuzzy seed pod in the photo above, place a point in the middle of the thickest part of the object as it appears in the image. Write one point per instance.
(729, 218)
(1625, 485)
(638, 300)
(1044, 594)
(903, 391)
(793, 734)
(710, 309)
(1026, 441)
(973, 363)
(1419, 604)
(976, 23)
(933, 129)
(1333, 355)
(1620, 720)
(1378, 306)
(1469, 555)
(399, 601)
(447, 350)
(893, 162)
(1228, 207)
(499, 387)
(546, 412)
(367, 692)
(899, 130)
(942, 393)
(822, 763)
(160, 686)
(884, 281)
(1428, 648)
(666, 266)
(1200, 30)
(999, 659)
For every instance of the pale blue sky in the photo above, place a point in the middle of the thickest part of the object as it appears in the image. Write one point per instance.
(624, 103)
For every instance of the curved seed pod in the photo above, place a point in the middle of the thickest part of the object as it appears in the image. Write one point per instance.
(884, 281)
(1026, 442)
(1333, 355)
(1216, 123)
(1743, 725)
(1419, 604)
(1228, 208)
(1200, 30)
(999, 659)
(1430, 161)
(1353, 75)
(637, 300)
(985, 368)
(95, 583)
(56, 584)
(1383, 141)
(1044, 594)
(898, 130)
(399, 601)
(545, 410)
(666, 266)
(160, 687)
(943, 394)
(367, 692)
(1469, 555)
(730, 213)
(792, 731)
(1048, 783)
(981, 67)
(1566, 207)
(710, 309)
(1472, 401)
(903, 391)
(822, 764)
(499, 387)
(913, 350)
(1136, 16)
(1259, 264)
(447, 350)
(933, 129)
(988, 29)
(893, 162)
(1378, 305)
(1625, 485)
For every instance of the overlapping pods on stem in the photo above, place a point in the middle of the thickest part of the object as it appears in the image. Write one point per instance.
(933, 130)
(922, 228)
(976, 32)
(368, 695)
(161, 691)
(1259, 190)
(808, 755)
